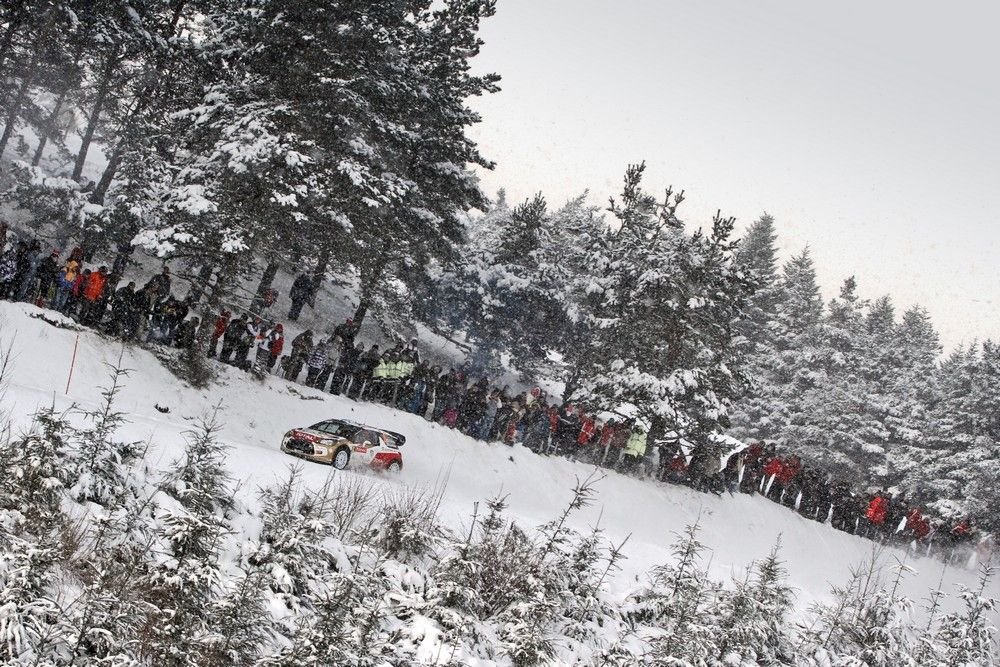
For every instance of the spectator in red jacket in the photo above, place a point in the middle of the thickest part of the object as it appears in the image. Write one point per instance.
(790, 468)
(587, 428)
(877, 510)
(219, 330)
(605, 434)
(788, 480)
(585, 437)
(772, 470)
(962, 530)
(277, 338)
(918, 526)
(92, 297)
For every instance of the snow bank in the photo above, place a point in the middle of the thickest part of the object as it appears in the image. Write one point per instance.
(737, 529)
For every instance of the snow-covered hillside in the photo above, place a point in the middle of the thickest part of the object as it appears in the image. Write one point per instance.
(737, 529)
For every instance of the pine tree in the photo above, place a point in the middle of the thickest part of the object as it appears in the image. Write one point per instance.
(98, 469)
(758, 254)
(341, 126)
(676, 605)
(969, 637)
(752, 618)
(516, 290)
(663, 304)
(185, 585)
(868, 620)
(31, 527)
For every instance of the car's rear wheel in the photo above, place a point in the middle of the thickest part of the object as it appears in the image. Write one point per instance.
(341, 458)
(394, 466)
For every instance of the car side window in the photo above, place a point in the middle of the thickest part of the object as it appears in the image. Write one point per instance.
(362, 436)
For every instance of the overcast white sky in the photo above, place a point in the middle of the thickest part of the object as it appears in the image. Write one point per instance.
(868, 129)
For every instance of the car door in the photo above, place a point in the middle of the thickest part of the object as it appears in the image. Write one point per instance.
(364, 444)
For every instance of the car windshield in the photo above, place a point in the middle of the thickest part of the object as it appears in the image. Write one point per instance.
(339, 429)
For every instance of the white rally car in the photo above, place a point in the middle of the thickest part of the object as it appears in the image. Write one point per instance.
(344, 444)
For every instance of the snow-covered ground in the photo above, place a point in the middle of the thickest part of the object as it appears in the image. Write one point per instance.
(737, 529)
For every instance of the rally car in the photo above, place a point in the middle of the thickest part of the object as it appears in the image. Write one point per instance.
(344, 444)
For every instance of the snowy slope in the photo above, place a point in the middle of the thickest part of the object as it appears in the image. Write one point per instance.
(737, 529)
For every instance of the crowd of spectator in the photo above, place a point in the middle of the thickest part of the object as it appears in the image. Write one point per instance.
(399, 378)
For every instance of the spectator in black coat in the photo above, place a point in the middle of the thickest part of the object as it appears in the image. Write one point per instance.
(48, 271)
(234, 332)
(300, 294)
(346, 332)
(364, 365)
(123, 318)
(567, 430)
(345, 367)
(159, 284)
(302, 346)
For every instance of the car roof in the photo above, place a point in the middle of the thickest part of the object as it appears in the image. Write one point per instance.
(398, 437)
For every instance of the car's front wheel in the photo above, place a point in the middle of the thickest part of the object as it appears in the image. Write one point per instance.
(341, 458)
(394, 467)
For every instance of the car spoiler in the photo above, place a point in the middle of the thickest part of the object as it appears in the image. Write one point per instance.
(399, 438)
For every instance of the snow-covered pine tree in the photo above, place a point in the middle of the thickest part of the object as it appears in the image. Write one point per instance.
(165, 72)
(337, 124)
(674, 609)
(835, 424)
(663, 303)
(868, 620)
(758, 253)
(517, 286)
(956, 470)
(969, 638)
(904, 383)
(32, 525)
(98, 469)
(184, 583)
(752, 616)
(494, 291)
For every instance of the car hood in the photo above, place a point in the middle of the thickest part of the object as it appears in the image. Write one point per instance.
(311, 435)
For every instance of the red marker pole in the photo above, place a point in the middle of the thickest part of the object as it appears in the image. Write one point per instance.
(72, 363)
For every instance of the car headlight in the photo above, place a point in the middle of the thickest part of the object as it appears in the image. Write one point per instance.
(321, 451)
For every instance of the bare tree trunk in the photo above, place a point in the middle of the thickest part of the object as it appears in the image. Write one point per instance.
(199, 373)
(14, 110)
(175, 19)
(266, 280)
(370, 283)
(16, 21)
(47, 129)
(198, 286)
(103, 88)
(361, 311)
(321, 266)
(122, 258)
(101, 190)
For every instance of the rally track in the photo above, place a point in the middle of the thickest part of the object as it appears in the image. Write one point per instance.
(737, 529)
